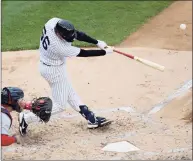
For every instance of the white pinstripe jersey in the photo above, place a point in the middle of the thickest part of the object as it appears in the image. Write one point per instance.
(53, 50)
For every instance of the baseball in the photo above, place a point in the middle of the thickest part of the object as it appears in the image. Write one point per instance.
(183, 26)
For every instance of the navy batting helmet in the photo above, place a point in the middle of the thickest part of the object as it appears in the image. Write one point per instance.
(66, 30)
(10, 97)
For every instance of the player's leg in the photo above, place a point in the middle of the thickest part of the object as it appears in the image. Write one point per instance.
(26, 118)
(59, 96)
(53, 77)
(76, 103)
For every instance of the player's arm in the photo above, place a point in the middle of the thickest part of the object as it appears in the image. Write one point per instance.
(27, 105)
(81, 36)
(67, 50)
(7, 140)
(75, 51)
(90, 53)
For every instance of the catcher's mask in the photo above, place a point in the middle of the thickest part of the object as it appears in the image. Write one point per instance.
(66, 30)
(10, 97)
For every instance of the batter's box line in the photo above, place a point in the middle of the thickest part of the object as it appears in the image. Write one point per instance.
(174, 150)
(187, 85)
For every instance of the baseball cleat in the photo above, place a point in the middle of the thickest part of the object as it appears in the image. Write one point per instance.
(100, 121)
(22, 124)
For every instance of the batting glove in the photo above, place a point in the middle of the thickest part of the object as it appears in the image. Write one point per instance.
(109, 49)
(101, 44)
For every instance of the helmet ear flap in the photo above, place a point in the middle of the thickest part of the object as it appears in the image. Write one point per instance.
(10, 97)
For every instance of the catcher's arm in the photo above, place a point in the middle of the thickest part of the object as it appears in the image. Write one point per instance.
(41, 107)
(25, 105)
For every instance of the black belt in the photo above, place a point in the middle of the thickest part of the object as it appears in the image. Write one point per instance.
(45, 64)
(50, 65)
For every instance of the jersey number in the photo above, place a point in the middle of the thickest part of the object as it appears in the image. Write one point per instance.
(44, 39)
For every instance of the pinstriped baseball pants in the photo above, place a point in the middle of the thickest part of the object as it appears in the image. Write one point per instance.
(61, 88)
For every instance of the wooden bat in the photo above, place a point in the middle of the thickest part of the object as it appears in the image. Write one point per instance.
(144, 61)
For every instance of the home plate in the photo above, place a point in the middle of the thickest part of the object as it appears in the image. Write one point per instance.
(122, 146)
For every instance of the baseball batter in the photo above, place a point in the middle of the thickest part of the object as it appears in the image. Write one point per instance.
(55, 46)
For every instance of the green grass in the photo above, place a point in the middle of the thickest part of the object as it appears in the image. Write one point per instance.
(112, 22)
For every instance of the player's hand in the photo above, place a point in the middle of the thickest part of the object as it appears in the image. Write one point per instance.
(101, 44)
(21, 103)
(109, 49)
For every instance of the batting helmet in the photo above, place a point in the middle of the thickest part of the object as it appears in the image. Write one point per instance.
(10, 97)
(66, 30)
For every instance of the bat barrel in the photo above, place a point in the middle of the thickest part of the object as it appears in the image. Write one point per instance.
(150, 63)
(144, 61)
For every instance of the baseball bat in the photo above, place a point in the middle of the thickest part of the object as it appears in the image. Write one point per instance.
(143, 61)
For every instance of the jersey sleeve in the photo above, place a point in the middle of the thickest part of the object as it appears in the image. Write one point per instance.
(7, 140)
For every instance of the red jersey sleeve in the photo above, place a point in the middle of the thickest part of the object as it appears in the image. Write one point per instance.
(7, 140)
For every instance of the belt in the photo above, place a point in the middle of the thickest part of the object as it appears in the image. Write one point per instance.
(50, 65)
(45, 64)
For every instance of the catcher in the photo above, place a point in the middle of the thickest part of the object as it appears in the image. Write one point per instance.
(12, 100)
(9, 103)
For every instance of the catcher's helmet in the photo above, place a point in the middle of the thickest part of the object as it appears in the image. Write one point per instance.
(10, 96)
(66, 30)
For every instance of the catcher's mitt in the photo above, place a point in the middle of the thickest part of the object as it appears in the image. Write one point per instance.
(42, 107)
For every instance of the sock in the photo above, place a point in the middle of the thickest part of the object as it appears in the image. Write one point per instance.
(87, 114)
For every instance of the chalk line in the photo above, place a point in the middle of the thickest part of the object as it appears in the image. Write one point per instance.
(182, 89)
(174, 150)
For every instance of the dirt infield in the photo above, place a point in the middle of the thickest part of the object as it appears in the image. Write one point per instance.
(115, 81)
